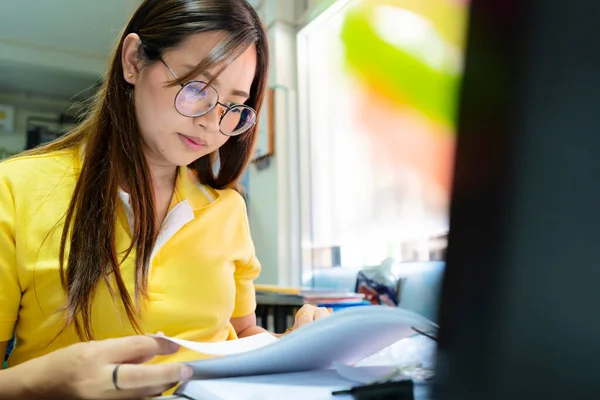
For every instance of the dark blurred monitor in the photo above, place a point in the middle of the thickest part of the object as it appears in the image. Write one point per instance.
(521, 293)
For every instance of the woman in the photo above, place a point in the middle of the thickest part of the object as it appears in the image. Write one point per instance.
(130, 223)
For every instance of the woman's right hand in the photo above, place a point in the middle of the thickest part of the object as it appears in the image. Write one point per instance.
(85, 370)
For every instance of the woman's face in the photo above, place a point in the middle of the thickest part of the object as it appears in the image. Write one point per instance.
(169, 138)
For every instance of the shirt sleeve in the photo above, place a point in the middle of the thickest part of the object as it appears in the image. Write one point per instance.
(246, 271)
(10, 290)
(245, 297)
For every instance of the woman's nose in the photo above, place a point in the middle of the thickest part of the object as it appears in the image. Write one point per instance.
(211, 120)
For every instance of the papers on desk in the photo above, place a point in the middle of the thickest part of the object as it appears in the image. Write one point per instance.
(345, 337)
(365, 375)
(314, 385)
(319, 297)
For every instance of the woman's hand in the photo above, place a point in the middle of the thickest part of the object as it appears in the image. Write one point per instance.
(308, 314)
(85, 370)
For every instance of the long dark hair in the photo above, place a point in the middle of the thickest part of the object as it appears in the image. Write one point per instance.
(113, 155)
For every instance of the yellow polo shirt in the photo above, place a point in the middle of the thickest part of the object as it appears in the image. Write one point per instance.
(201, 274)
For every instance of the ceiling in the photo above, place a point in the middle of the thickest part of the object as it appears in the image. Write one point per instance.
(58, 48)
(87, 27)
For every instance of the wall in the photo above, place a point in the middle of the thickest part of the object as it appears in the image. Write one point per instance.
(273, 204)
(274, 201)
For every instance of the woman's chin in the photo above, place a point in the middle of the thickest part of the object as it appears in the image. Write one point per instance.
(186, 159)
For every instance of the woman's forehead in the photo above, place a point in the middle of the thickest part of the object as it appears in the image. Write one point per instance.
(237, 76)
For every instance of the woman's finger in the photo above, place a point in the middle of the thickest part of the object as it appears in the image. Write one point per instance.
(321, 312)
(135, 348)
(132, 377)
(305, 315)
(140, 360)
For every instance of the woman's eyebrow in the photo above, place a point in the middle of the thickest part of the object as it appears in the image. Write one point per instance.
(235, 92)
(211, 77)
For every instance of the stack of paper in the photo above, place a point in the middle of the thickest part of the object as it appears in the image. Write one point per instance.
(313, 385)
(346, 337)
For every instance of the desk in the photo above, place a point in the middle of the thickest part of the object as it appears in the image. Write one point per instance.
(282, 307)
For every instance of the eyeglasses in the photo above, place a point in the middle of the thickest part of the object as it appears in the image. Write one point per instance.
(197, 98)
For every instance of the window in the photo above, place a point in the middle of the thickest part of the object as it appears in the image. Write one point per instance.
(377, 89)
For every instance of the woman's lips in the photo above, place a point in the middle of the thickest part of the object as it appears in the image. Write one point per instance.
(193, 143)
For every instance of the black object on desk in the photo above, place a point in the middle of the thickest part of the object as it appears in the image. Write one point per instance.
(398, 390)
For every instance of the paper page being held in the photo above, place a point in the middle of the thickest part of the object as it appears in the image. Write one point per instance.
(225, 348)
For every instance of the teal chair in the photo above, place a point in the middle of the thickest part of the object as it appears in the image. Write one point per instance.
(420, 286)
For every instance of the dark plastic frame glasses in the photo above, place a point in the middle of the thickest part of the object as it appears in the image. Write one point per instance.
(197, 98)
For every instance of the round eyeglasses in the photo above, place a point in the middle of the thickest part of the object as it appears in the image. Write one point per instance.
(197, 98)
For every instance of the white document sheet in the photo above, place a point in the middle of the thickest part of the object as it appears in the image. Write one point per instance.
(312, 385)
(227, 348)
(365, 375)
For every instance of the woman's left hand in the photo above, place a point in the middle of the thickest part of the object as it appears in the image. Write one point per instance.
(308, 314)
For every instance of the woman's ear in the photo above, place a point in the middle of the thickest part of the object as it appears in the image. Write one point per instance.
(130, 58)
